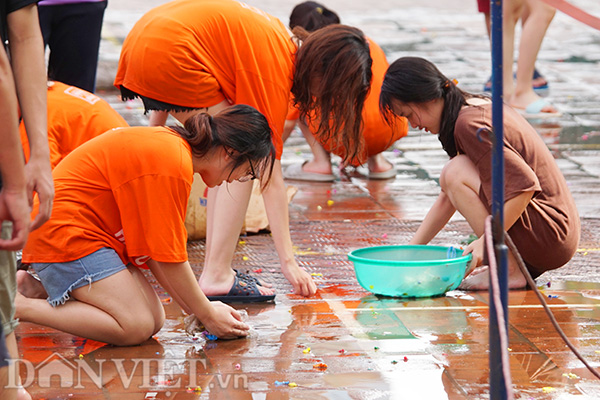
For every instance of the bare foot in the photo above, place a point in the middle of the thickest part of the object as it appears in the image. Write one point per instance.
(220, 284)
(30, 287)
(20, 304)
(522, 100)
(317, 167)
(479, 279)
(378, 163)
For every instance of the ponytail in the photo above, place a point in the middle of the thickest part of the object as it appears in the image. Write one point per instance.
(242, 130)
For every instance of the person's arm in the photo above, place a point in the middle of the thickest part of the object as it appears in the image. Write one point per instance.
(28, 65)
(179, 281)
(513, 209)
(437, 217)
(276, 205)
(13, 198)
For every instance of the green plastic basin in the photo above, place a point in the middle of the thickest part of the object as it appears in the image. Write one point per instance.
(409, 271)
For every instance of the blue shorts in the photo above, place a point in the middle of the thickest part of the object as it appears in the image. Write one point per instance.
(60, 279)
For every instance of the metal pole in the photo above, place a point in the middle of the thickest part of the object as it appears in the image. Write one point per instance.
(498, 390)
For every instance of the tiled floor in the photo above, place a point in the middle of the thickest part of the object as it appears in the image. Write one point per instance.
(373, 348)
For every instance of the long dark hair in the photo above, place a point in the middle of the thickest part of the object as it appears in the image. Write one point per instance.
(312, 16)
(331, 81)
(416, 80)
(241, 129)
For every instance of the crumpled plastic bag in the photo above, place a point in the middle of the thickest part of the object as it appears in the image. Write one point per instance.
(194, 327)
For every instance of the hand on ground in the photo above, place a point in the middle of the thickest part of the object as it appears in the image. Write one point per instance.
(301, 281)
(225, 322)
(476, 248)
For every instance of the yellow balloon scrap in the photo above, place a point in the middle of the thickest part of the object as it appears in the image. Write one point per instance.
(306, 350)
(330, 202)
(548, 389)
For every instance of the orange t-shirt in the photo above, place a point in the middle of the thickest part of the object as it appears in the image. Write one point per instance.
(377, 134)
(127, 190)
(74, 117)
(196, 54)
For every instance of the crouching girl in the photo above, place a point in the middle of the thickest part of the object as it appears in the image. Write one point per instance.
(539, 211)
(120, 204)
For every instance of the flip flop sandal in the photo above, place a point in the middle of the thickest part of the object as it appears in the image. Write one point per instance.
(534, 110)
(247, 277)
(295, 172)
(387, 174)
(242, 292)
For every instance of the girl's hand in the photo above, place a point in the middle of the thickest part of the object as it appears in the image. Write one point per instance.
(476, 248)
(225, 322)
(301, 280)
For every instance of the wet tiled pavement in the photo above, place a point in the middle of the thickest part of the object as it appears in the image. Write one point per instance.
(373, 348)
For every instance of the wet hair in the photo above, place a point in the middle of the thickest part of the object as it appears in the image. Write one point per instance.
(311, 16)
(242, 130)
(416, 80)
(331, 82)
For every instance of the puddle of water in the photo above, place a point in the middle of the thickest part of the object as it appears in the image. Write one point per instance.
(378, 321)
(361, 380)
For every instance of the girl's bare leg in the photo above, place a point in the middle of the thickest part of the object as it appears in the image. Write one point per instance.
(534, 29)
(227, 206)
(321, 162)
(512, 10)
(460, 181)
(122, 309)
(378, 163)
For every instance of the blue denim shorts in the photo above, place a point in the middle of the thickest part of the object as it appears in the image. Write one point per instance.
(60, 279)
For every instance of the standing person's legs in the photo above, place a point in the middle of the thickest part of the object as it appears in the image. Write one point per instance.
(74, 42)
(512, 10)
(8, 289)
(538, 19)
(5, 392)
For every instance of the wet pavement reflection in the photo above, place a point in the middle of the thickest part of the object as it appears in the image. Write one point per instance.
(344, 344)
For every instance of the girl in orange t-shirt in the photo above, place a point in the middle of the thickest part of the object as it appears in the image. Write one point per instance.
(120, 203)
(74, 117)
(188, 56)
(376, 134)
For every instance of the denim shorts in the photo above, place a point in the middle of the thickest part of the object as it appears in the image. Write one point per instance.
(60, 279)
